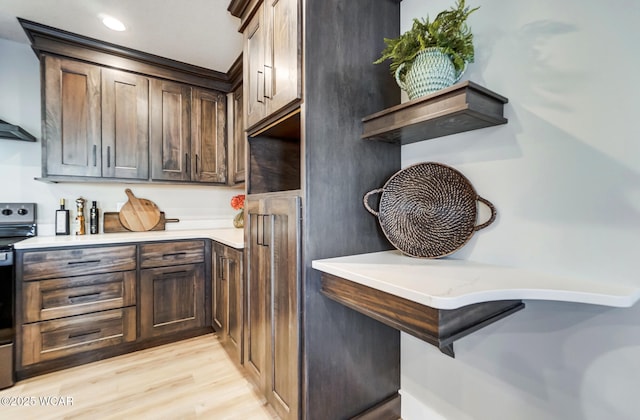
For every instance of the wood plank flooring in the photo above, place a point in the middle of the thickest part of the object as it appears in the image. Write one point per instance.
(185, 380)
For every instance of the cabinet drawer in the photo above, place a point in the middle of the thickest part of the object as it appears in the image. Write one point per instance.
(57, 298)
(76, 262)
(68, 336)
(171, 253)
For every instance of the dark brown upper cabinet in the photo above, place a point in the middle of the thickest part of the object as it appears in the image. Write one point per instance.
(125, 125)
(237, 139)
(272, 60)
(72, 118)
(170, 130)
(96, 121)
(113, 113)
(187, 133)
(208, 140)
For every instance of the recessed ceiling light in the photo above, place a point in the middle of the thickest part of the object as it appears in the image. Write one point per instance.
(112, 23)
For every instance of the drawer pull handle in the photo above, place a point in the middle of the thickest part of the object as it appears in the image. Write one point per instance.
(83, 262)
(84, 333)
(86, 295)
(221, 261)
(175, 254)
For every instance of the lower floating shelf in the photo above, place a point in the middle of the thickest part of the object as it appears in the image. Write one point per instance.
(442, 300)
(440, 327)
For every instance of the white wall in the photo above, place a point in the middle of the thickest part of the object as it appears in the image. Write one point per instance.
(564, 174)
(20, 162)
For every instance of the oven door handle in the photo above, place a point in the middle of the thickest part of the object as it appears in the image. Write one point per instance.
(6, 258)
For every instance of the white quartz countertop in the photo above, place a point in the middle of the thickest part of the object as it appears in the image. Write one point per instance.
(449, 283)
(227, 236)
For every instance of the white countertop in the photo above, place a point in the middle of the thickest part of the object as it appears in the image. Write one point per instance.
(450, 283)
(228, 236)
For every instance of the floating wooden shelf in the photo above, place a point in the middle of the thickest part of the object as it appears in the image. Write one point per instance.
(439, 327)
(462, 107)
(442, 300)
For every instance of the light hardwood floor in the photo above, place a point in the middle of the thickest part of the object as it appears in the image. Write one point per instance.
(186, 380)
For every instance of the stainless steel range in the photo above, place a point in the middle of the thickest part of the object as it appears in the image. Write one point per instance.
(17, 222)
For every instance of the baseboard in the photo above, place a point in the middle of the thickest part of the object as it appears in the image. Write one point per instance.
(388, 409)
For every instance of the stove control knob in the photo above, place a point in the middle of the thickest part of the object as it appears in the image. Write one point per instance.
(22, 212)
(7, 212)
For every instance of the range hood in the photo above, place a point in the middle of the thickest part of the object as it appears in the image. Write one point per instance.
(13, 132)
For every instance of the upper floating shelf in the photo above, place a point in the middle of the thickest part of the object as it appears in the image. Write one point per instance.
(462, 107)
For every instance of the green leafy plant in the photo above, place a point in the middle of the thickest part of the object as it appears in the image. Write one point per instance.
(448, 31)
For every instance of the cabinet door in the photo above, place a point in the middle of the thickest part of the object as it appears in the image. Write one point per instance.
(227, 298)
(283, 63)
(253, 69)
(171, 299)
(72, 118)
(273, 277)
(220, 292)
(125, 125)
(238, 139)
(208, 140)
(235, 298)
(283, 238)
(170, 130)
(257, 293)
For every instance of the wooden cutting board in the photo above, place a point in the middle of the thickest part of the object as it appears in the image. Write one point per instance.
(111, 223)
(139, 214)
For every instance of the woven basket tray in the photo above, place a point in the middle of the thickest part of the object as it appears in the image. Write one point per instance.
(428, 210)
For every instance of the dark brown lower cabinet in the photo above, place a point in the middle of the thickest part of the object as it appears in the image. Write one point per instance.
(172, 299)
(272, 349)
(228, 296)
(75, 305)
(57, 338)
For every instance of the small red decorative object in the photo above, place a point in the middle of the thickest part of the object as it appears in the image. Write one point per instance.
(237, 202)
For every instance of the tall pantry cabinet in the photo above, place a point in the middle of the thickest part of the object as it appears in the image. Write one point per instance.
(308, 80)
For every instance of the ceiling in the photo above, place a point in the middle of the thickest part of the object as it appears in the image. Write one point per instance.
(197, 32)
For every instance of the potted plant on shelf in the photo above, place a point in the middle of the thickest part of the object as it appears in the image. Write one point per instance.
(432, 55)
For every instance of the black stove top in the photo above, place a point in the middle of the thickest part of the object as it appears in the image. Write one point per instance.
(17, 222)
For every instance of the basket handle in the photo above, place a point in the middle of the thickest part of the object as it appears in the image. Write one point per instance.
(493, 214)
(397, 75)
(366, 201)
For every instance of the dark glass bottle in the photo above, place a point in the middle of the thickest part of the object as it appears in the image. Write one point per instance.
(94, 219)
